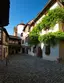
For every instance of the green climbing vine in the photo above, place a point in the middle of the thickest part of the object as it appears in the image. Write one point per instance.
(52, 38)
(62, 1)
(33, 37)
(53, 17)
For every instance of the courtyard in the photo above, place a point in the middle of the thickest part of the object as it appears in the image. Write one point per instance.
(28, 69)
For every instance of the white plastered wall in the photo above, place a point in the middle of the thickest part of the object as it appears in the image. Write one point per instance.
(30, 52)
(54, 51)
(19, 30)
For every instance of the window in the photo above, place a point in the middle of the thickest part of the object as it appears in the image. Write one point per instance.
(29, 48)
(34, 49)
(22, 41)
(10, 41)
(27, 38)
(0, 34)
(16, 42)
(5, 37)
(47, 49)
(19, 42)
(21, 34)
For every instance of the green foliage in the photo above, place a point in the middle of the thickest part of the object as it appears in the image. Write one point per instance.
(33, 37)
(61, 0)
(45, 23)
(49, 39)
(52, 38)
(59, 35)
(53, 16)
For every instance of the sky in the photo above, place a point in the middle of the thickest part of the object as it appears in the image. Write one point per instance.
(22, 11)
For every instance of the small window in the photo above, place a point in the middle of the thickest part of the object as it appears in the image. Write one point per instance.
(19, 42)
(29, 48)
(26, 40)
(22, 41)
(21, 34)
(34, 49)
(47, 49)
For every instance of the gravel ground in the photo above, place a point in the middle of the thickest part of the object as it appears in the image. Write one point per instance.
(28, 69)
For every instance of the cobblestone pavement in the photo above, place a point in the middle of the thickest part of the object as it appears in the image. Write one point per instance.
(28, 69)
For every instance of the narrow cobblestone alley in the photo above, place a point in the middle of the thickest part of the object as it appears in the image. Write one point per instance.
(28, 69)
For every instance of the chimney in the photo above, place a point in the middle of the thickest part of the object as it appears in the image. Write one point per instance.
(15, 31)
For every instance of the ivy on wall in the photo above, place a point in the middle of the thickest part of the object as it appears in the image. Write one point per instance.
(61, 1)
(53, 17)
(33, 37)
(49, 39)
(52, 38)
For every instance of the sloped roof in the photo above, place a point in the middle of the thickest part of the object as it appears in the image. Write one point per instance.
(21, 24)
(48, 5)
(10, 36)
(29, 23)
(14, 37)
(3, 29)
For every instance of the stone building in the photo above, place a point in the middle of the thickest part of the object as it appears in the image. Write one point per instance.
(14, 45)
(8, 44)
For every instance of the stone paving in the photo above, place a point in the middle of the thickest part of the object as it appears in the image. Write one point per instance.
(28, 69)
